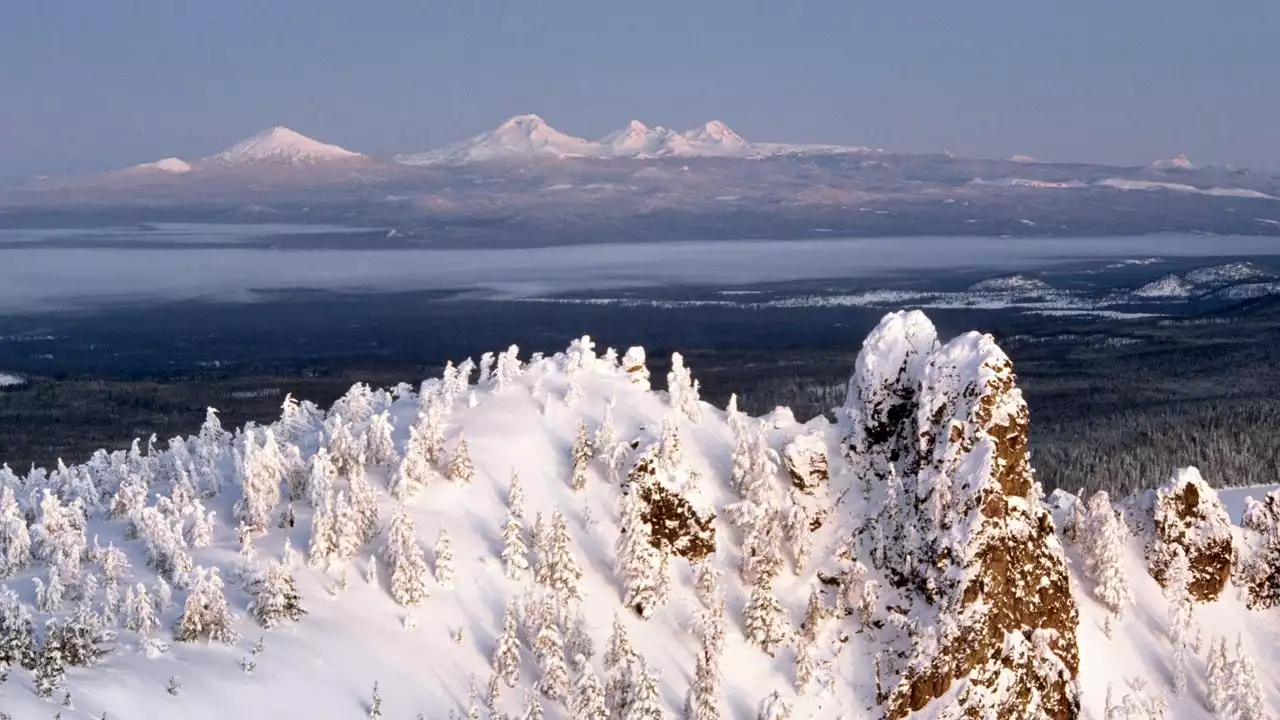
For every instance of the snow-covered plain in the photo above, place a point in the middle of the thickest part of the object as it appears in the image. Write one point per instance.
(524, 418)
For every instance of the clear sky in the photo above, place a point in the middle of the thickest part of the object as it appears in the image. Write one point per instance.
(88, 85)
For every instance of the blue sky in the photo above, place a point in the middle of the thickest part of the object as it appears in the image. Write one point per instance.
(88, 85)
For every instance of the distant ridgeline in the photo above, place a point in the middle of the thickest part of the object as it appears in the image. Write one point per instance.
(551, 538)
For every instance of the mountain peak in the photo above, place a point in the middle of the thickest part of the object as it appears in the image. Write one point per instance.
(526, 122)
(279, 144)
(173, 165)
(1181, 162)
(521, 137)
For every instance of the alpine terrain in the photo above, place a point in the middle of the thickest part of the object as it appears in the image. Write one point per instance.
(530, 537)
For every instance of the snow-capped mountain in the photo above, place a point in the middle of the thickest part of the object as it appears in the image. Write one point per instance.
(714, 139)
(519, 138)
(172, 165)
(635, 140)
(1181, 162)
(280, 145)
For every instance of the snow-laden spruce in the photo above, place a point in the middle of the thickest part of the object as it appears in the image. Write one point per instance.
(550, 537)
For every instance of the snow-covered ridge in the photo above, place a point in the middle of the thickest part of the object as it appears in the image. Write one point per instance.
(1223, 278)
(172, 165)
(1011, 283)
(10, 380)
(281, 145)
(497, 536)
(529, 137)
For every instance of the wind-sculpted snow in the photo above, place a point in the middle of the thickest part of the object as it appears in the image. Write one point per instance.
(551, 535)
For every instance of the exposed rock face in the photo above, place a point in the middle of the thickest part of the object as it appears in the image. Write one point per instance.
(985, 600)
(1186, 513)
(676, 526)
(1260, 564)
(806, 458)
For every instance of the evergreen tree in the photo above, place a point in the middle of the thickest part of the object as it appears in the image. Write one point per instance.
(587, 700)
(514, 553)
(140, 611)
(515, 496)
(682, 389)
(1216, 681)
(704, 698)
(275, 597)
(581, 457)
(444, 560)
(403, 555)
(380, 447)
(364, 503)
(15, 540)
(647, 703)
(804, 665)
(506, 655)
(414, 471)
(638, 562)
(1244, 692)
(562, 573)
(577, 641)
(323, 475)
(205, 615)
(774, 707)
(1102, 542)
(532, 707)
(814, 615)
(348, 529)
(461, 471)
(764, 620)
(322, 547)
(17, 643)
(1176, 591)
(50, 666)
(550, 650)
(375, 704)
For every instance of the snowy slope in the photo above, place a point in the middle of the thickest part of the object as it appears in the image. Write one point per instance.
(283, 146)
(520, 138)
(166, 165)
(523, 418)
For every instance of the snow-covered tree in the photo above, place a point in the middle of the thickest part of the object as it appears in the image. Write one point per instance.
(508, 369)
(461, 471)
(647, 702)
(50, 663)
(348, 529)
(346, 452)
(323, 474)
(683, 390)
(515, 496)
(415, 470)
(578, 645)
(764, 621)
(1102, 543)
(380, 447)
(322, 547)
(15, 541)
(403, 555)
(532, 707)
(581, 457)
(587, 700)
(200, 525)
(1244, 698)
(557, 569)
(140, 611)
(364, 503)
(444, 560)
(1217, 684)
(704, 698)
(1177, 579)
(773, 707)
(549, 648)
(638, 562)
(506, 654)
(515, 558)
(261, 470)
(633, 363)
(804, 665)
(275, 597)
(205, 616)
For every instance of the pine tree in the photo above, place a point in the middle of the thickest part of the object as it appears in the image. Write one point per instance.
(348, 529)
(444, 560)
(322, 548)
(1176, 591)
(403, 555)
(322, 476)
(275, 597)
(1244, 693)
(581, 457)
(587, 700)
(647, 703)
(1102, 541)
(577, 641)
(364, 503)
(514, 553)
(50, 665)
(515, 496)
(375, 704)
(461, 471)
(814, 615)
(563, 575)
(414, 471)
(804, 665)
(380, 447)
(682, 390)
(506, 655)
(704, 698)
(15, 540)
(205, 615)
(550, 650)
(17, 644)
(1216, 681)
(774, 707)
(532, 707)
(638, 562)
(764, 620)
(140, 611)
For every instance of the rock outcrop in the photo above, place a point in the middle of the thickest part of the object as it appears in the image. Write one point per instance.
(1186, 514)
(806, 459)
(984, 614)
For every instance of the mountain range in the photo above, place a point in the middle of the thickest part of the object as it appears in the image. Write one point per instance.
(526, 182)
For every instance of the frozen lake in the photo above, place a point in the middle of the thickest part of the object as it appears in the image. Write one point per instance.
(37, 277)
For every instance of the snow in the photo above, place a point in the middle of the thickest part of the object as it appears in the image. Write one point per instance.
(1169, 286)
(1181, 162)
(1227, 273)
(1123, 184)
(1011, 283)
(529, 137)
(1234, 498)
(166, 165)
(11, 380)
(281, 145)
(426, 659)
